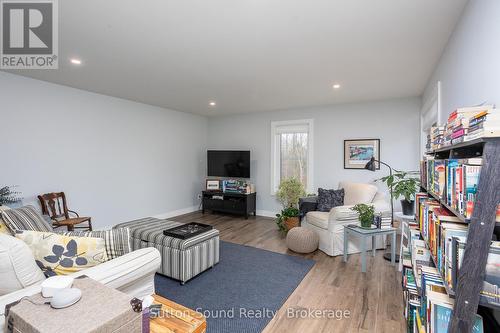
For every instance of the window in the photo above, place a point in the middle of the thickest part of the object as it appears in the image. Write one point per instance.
(291, 152)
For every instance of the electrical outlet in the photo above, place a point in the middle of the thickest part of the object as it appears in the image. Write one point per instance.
(199, 196)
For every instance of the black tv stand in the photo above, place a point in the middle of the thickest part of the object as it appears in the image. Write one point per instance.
(234, 203)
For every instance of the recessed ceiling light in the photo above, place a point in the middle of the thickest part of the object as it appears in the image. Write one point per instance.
(212, 103)
(336, 86)
(76, 61)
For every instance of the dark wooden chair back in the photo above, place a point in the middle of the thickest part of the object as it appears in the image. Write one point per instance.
(54, 205)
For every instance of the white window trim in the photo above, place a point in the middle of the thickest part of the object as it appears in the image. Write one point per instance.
(430, 113)
(275, 152)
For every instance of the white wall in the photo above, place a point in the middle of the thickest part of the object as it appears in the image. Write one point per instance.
(395, 122)
(116, 160)
(469, 68)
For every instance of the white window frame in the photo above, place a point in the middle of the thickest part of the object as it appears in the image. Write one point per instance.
(275, 152)
(430, 114)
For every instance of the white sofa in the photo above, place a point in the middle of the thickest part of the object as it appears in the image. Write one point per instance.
(330, 225)
(132, 273)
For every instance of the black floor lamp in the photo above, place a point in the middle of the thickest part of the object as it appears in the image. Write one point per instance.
(371, 165)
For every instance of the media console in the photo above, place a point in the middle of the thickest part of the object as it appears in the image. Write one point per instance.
(234, 203)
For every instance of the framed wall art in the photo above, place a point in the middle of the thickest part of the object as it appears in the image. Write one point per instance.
(213, 185)
(358, 152)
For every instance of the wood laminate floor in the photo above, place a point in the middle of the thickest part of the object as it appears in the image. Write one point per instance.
(373, 299)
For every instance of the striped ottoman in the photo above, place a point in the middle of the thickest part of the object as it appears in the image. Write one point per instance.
(181, 259)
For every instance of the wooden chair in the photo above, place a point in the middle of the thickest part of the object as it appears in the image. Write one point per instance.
(54, 205)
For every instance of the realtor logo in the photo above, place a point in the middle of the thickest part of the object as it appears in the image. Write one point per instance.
(29, 36)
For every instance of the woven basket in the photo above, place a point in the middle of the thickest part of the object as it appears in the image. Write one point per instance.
(291, 222)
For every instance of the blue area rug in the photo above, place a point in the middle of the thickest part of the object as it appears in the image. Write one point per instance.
(243, 291)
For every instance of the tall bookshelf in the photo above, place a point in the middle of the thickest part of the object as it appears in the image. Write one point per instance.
(480, 226)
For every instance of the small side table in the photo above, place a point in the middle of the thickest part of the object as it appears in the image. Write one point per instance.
(365, 233)
(101, 309)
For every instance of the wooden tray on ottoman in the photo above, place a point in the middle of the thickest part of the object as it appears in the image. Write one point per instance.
(176, 318)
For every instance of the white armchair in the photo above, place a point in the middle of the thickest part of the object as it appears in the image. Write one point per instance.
(330, 225)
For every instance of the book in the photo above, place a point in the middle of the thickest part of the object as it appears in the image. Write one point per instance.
(490, 293)
(482, 134)
(473, 110)
(485, 123)
(439, 181)
(472, 173)
(420, 257)
(458, 133)
(442, 316)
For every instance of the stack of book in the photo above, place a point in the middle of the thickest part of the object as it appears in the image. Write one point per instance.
(462, 180)
(428, 307)
(457, 127)
(386, 222)
(454, 181)
(410, 233)
(436, 134)
(434, 175)
(444, 237)
(428, 143)
(485, 123)
(420, 257)
(490, 293)
(431, 256)
(436, 309)
(234, 186)
(425, 210)
(439, 227)
(411, 298)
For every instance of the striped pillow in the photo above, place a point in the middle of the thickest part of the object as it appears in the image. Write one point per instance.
(25, 218)
(3, 226)
(117, 241)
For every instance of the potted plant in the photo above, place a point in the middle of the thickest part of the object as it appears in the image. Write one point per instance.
(8, 195)
(366, 214)
(289, 193)
(404, 184)
(288, 219)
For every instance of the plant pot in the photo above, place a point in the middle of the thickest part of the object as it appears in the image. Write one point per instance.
(408, 207)
(367, 224)
(291, 222)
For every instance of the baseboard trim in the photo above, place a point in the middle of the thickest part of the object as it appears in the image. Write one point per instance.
(187, 210)
(266, 213)
(177, 212)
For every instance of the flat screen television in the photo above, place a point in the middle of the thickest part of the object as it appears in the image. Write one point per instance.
(228, 163)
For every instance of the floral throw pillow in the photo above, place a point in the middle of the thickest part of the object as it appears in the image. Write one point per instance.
(62, 255)
(327, 199)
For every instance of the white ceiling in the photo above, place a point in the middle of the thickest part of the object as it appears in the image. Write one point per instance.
(252, 55)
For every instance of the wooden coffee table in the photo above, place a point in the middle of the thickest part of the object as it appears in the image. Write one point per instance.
(177, 318)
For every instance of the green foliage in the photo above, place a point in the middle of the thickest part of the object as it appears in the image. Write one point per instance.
(289, 192)
(8, 195)
(404, 184)
(285, 213)
(366, 213)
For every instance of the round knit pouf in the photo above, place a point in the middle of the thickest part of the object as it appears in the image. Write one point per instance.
(302, 240)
